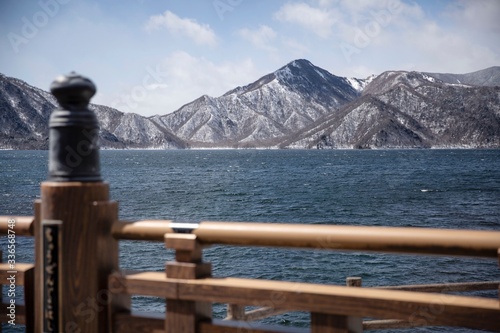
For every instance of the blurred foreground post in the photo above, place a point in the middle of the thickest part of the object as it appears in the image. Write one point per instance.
(72, 291)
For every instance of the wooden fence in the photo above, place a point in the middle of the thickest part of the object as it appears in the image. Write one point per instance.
(76, 285)
(190, 290)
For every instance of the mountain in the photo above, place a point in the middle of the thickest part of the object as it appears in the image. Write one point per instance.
(402, 109)
(486, 77)
(298, 106)
(263, 112)
(25, 112)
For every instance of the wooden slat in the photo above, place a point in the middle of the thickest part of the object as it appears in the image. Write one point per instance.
(23, 225)
(472, 312)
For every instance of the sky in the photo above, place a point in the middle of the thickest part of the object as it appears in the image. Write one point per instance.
(153, 56)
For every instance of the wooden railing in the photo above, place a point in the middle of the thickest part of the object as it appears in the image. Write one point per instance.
(190, 290)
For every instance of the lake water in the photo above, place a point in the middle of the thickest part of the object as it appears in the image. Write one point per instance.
(414, 188)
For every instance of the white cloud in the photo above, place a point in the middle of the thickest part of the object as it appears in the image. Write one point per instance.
(319, 21)
(201, 34)
(178, 79)
(261, 37)
(443, 50)
(482, 15)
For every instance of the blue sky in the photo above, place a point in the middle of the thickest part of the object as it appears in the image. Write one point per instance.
(152, 56)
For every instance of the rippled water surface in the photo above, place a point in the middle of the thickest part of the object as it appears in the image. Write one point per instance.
(414, 188)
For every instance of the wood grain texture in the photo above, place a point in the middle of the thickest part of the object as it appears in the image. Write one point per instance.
(72, 203)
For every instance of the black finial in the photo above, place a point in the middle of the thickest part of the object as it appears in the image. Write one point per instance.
(73, 90)
(73, 148)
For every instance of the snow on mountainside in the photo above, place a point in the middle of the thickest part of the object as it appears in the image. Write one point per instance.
(25, 112)
(410, 109)
(297, 106)
(263, 112)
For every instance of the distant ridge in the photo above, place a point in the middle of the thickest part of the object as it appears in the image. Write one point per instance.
(486, 77)
(299, 105)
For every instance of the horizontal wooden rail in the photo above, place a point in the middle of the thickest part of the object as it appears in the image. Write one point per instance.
(447, 287)
(148, 230)
(471, 312)
(23, 225)
(381, 239)
(22, 272)
(237, 312)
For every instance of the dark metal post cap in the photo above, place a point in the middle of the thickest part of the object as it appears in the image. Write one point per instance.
(73, 132)
(73, 90)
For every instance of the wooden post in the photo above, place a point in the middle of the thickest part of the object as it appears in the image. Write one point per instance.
(75, 195)
(184, 316)
(235, 312)
(326, 323)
